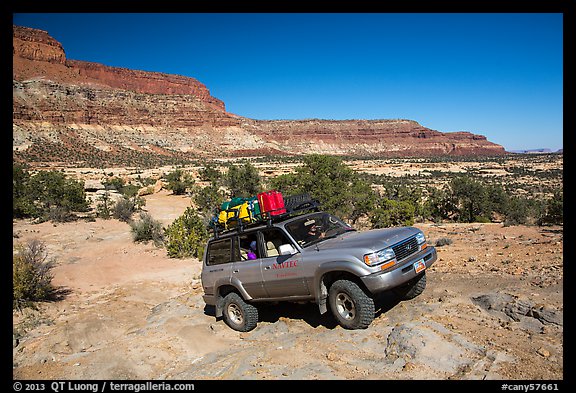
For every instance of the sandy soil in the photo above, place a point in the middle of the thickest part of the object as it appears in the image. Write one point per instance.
(492, 309)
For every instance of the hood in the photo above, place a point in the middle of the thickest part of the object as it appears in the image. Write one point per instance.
(372, 240)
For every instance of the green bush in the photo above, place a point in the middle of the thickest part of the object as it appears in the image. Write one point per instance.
(243, 181)
(22, 203)
(393, 213)
(31, 275)
(46, 195)
(467, 200)
(210, 173)
(104, 206)
(553, 210)
(179, 181)
(412, 194)
(517, 211)
(118, 184)
(208, 198)
(340, 190)
(146, 229)
(471, 199)
(186, 236)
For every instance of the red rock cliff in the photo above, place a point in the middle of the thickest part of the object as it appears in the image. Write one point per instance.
(36, 54)
(71, 110)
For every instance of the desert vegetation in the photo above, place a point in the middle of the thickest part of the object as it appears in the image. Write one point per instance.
(32, 275)
(46, 195)
(529, 194)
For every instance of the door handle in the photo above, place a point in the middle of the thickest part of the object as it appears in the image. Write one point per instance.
(267, 267)
(235, 271)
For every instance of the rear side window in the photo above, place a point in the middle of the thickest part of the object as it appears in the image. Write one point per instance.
(219, 251)
(247, 247)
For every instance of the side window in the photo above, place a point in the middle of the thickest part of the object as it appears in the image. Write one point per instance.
(219, 251)
(273, 238)
(246, 247)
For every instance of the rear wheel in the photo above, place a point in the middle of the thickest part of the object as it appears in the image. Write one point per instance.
(238, 314)
(351, 306)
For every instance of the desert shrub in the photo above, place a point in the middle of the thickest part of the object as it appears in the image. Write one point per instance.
(179, 181)
(467, 200)
(208, 198)
(146, 229)
(498, 199)
(104, 206)
(36, 195)
(22, 203)
(146, 181)
(123, 209)
(443, 241)
(243, 180)
(31, 275)
(392, 213)
(210, 173)
(53, 189)
(439, 205)
(118, 184)
(340, 190)
(114, 183)
(553, 210)
(412, 194)
(60, 214)
(517, 211)
(186, 236)
(471, 199)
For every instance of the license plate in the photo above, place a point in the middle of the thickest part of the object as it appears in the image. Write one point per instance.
(419, 266)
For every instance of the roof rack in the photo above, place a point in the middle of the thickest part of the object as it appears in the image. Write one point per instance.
(294, 205)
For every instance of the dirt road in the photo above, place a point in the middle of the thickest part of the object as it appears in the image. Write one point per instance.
(492, 309)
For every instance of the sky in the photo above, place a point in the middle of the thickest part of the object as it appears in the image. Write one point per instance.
(495, 74)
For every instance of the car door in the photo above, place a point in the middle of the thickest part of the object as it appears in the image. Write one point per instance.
(282, 274)
(247, 273)
(218, 266)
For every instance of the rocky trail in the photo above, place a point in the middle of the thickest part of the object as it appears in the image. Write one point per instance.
(492, 309)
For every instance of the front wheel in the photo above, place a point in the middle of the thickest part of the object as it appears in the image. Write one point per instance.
(351, 306)
(238, 314)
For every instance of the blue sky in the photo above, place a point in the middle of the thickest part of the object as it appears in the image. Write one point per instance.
(495, 74)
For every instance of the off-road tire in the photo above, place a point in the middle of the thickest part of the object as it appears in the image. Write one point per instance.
(350, 305)
(412, 288)
(238, 314)
(292, 202)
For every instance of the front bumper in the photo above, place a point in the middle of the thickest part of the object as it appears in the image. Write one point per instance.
(403, 272)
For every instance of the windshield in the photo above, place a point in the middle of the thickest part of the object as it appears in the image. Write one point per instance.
(316, 228)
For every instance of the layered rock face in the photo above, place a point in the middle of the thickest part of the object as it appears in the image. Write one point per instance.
(75, 111)
(36, 55)
(398, 137)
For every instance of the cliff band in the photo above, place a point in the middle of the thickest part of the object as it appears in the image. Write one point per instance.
(73, 111)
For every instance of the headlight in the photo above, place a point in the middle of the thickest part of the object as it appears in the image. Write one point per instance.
(376, 258)
(420, 238)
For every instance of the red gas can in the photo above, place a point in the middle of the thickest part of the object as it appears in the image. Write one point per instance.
(271, 202)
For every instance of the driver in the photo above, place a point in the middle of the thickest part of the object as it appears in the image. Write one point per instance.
(314, 232)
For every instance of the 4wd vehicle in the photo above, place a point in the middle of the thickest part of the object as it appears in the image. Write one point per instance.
(312, 257)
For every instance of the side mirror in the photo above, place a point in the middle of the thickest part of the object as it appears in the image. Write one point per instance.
(287, 249)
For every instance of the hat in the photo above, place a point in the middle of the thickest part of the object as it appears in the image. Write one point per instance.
(253, 244)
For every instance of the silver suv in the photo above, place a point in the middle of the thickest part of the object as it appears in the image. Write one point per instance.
(312, 257)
